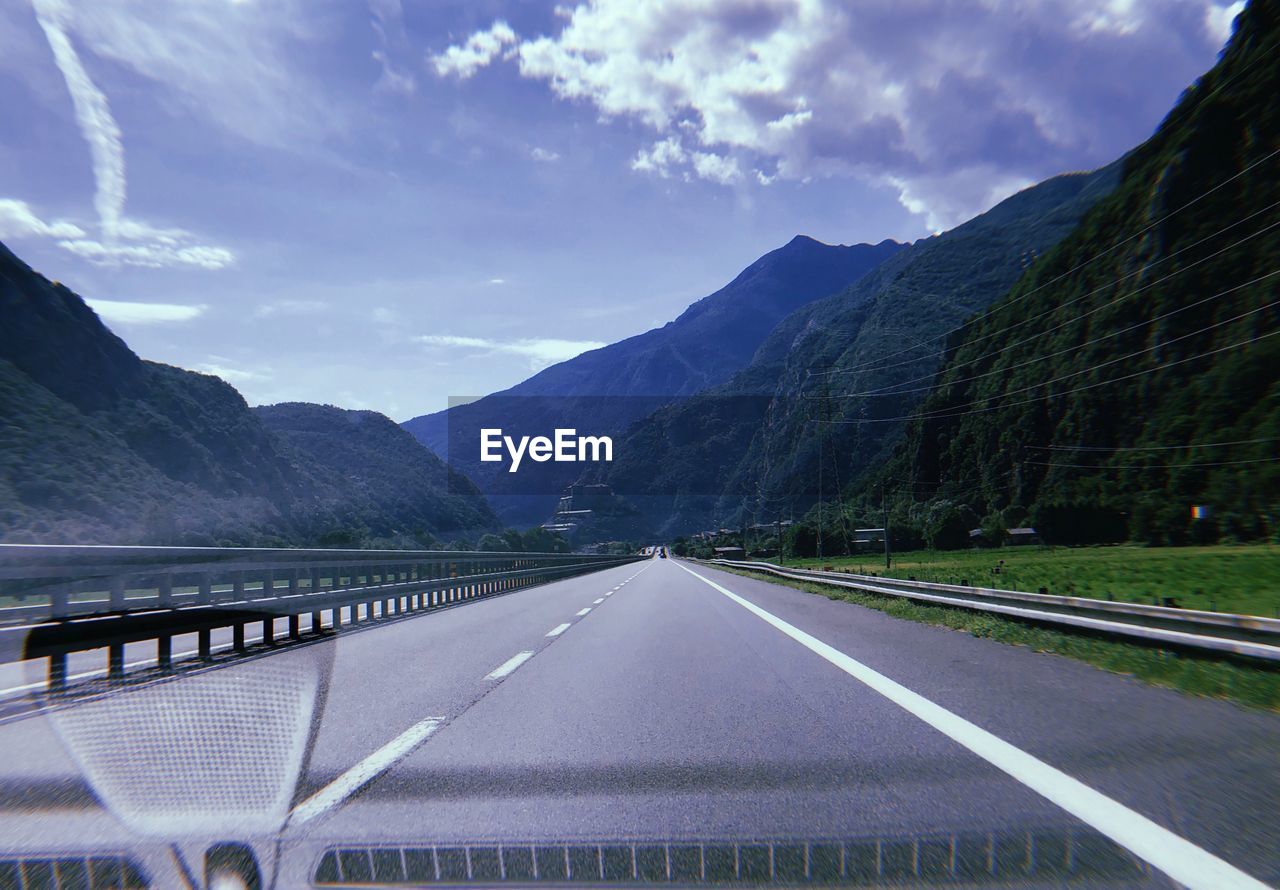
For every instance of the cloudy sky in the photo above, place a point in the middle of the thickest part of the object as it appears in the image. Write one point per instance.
(383, 203)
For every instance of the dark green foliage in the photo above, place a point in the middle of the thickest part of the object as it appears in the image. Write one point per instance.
(1092, 391)
(98, 446)
(947, 525)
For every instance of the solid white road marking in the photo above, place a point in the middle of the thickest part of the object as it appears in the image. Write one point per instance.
(509, 665)
(559, 629)
(583, 612)
(597, 602)
(1175, 856)
(363, 772)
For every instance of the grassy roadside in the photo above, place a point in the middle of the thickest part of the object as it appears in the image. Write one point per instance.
(1254, 686)
(1226, 578)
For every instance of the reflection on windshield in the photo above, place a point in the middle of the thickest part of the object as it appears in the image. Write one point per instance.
(215, 752)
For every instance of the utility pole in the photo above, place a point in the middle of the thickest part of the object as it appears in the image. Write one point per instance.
(884, 508)
(779, 526)
(822, 438)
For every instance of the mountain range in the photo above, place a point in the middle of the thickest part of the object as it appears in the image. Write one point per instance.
(1097, 355)
(100, 446)
(750, 448)
(604, 390)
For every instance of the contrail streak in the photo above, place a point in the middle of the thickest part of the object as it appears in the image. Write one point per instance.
(93, 114)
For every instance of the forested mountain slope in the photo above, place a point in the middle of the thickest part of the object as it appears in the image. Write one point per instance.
(99, 446)
(1133, 373)
(716, 455)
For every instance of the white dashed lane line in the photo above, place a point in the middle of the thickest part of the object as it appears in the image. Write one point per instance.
(559, 629)
(509, 665)
(597, 602)
(364, 772)
(583, 612)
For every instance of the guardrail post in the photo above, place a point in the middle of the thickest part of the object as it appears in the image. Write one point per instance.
(317, 622)
(269, 630)
(237, 637)
(237, 586)
(115, 662)
(293, 582)
(268, 583)
(205, 594)
(205, 643)
(165, 594)
(117, 593)
(58, 672)
(164, 652)
(59, 601)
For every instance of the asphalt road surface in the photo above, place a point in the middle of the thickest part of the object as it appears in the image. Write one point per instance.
(670, 721)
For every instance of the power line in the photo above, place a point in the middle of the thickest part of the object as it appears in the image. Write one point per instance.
(1152, 348)
(890, 391)
(1220, 463)
(871, 366)
(1151, 447)
(947, 414)
(1140, 232)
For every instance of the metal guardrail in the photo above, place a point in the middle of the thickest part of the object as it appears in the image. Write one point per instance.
(56, 600)
(1249, 636)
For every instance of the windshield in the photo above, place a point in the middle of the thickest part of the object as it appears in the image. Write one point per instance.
(628, 442)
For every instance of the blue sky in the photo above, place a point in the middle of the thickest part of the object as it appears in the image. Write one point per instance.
(383, 203)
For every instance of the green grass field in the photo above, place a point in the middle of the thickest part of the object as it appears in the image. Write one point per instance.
(1243, 578)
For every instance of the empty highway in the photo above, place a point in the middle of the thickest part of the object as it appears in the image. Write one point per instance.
(621, 719)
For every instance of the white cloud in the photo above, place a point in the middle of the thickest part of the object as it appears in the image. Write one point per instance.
(716, 168)
(661, 157)
(541, 352)
(154, 247)
(670, 155)
(97, 124)
(18, 220)
(229, 374)
(947, 104)
(544, 155)
(496, 281)
(1220, 20)
(154, 255)
(227, 62)
(289, 307)
(387, 18)
(479, 50)
(125, 312)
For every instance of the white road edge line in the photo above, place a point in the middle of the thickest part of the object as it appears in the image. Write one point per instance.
(583, 612)
(597, 602)
(363, 772)
(509, 665)
(559, 629)
(1177, 857)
